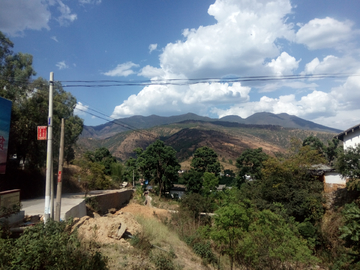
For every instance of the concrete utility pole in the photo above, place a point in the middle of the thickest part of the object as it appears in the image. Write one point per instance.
(49, 157)
(59, 183)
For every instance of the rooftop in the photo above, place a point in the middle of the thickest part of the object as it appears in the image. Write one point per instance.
(341, 135)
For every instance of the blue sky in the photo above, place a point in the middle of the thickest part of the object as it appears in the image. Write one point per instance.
(163, 40)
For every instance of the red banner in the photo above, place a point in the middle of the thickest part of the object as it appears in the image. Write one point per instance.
(41, 133)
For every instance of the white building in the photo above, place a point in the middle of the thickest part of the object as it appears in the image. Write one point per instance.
(350, 137)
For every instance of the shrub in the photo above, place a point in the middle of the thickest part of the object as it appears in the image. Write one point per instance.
(49, 246)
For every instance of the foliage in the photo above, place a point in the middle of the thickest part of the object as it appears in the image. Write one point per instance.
(162, 261)
(290, 183)
(201, 248)
(30, 107)
(348, 164)
(351, 230)
(50, 246)
(158, 162)
(230, 223)
(193, 181)
(205, 160)
(272, 243)
(103, 156)
(195, 204)
(92, 175)
(116, 170)
(210, 183)
(131, 170)
(250, 163)
(330, 152)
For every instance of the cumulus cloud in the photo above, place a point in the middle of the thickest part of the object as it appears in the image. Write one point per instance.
(80, 109)
(174, 99)
(20, 15)
(124, 70)
(349, 92)
(151, 72)
(331, 64)
(313, 105)
(66, 16)
(62, 65)
(324, 33)
(152, 47)
(17, 16)
(284, 64)
(243, 37)
(248, 39)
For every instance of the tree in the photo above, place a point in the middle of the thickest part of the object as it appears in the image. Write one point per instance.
(159, 163)
(290, 183)
(131, 170)
(348, 164)
(271, 242)
(250, 163)
(193, 181)
(230, 224)
(103, 156)
(350, 232)
(205, 160)
(210, 183)
(30, 107)
(315, 144)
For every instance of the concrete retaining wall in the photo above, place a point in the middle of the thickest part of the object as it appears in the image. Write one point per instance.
(104, 201)
(113, 200)
(77, 211)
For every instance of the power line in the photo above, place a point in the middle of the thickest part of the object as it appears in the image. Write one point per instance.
(182, 82)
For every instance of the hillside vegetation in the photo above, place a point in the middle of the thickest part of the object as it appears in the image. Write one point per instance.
(228, 139)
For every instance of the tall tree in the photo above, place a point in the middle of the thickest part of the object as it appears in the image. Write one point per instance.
(206, 160)
(30, 107)
(158, 162)
(250, 163)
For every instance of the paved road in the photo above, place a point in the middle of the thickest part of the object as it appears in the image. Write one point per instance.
(68, 201)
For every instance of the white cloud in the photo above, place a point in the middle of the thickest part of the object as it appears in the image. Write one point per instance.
(174, 99)
(54, 38)
(152, 47)
(80, 109)
(284, 64)
(325, 33)
(90, 2)
(66, 16)
(124, 70)
(62, 65)
(151, 72)
(17, 16)
(331, 64)
(311, 106)
(243, 37)
(348, 93)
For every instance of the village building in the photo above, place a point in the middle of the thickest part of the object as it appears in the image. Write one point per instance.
(350, 137)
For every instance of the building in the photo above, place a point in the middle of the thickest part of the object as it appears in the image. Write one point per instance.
(350, 137)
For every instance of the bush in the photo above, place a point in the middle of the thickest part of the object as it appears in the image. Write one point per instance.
(162, 261)
(50, 246)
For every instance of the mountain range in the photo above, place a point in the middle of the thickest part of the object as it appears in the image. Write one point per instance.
(144, 122)
(228, 136)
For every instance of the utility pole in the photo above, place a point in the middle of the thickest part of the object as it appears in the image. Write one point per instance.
(133, 179)
(49, 151)
(59, 182)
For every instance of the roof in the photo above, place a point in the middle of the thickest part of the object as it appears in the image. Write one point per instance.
(320, 169)
(341, 135)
